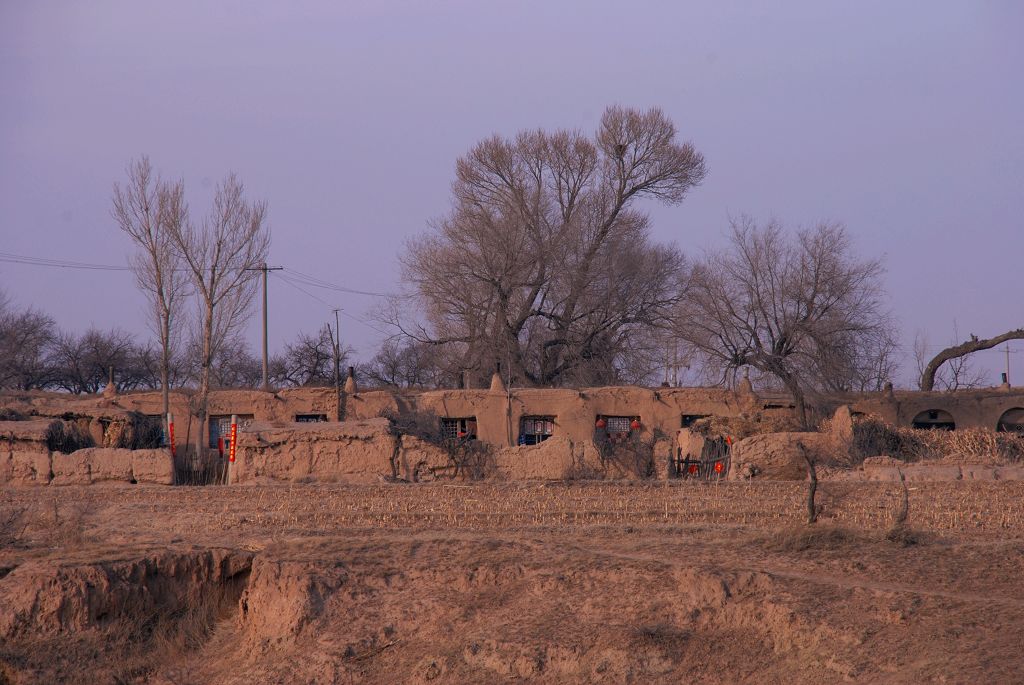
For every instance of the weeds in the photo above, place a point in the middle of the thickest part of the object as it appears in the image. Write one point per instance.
(67, 437)
(811, 538)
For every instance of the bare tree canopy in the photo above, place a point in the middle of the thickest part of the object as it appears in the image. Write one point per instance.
(308, 360)
(26, 340)
(409, 365)
(83, 363)
(543, 262)
(957, 352)
(802, 309)
(221, 256)
(149, 211)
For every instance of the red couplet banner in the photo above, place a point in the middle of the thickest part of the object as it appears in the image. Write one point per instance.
(170, 432)
(234, 439)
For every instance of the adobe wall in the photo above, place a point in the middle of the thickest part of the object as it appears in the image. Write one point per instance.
(969, 409)
(498, 413)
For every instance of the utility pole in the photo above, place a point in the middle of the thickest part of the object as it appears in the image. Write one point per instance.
(337, 359)
(266, 361)
(1007, 346)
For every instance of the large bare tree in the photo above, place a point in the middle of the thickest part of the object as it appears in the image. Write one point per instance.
(150, 211)
(544, 262)
(955, 355)
(222, 255)
(801, 309)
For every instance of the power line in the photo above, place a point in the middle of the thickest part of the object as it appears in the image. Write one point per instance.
(58, 263)
(298, 276)
(315, 282)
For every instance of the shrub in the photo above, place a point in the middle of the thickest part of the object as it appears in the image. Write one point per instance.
(873, 436)
(67, 437)
(8, 414)
(135, 431)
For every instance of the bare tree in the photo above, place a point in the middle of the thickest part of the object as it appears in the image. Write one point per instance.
(409, 365)
(543, 262)
(83, 363)
(957, 373)
(308, 360)
(150, 211)
(26, 347)
(959, 352)
(804, 311)
(221, 256)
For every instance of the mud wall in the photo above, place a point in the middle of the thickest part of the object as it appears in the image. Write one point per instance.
(498, 412)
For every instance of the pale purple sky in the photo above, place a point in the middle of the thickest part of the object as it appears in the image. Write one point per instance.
(903, 120)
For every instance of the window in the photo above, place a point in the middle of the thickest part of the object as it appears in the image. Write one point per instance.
(690, 419)
(535, 429)
(220, 427)
(311, 418)
(934, 419)
(616, 428)
(458, 429)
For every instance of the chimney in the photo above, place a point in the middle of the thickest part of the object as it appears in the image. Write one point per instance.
(497, 385)
(350, 382)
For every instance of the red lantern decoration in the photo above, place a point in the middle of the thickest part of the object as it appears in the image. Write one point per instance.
(692, 468)
(601, 423)
(635, 425)
(718, 467)
(462, 434)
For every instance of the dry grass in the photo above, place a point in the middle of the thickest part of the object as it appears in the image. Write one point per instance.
(872, 437)
(810, 538)
(219, 513)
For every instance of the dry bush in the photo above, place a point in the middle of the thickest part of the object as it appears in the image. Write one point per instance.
(746, 425)
(811, 538)
(8, 414)
(67, 437)
(135, 431)
(668, 639)
(872, 436)
(902, 536)
(14, 520)
(59, 524)
(421, 424)
(467, 459)
(634, 456)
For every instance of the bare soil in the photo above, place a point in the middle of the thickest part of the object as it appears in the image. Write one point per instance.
(489, 583)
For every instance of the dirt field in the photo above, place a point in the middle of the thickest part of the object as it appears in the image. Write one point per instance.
(489, 583)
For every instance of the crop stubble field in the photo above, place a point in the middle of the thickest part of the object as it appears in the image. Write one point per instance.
(540, 582)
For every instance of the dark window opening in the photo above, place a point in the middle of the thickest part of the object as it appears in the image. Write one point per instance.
(311, 418)
(690, 419)
(535, 429)
(458, 429)
(220, 428)
(934, 419)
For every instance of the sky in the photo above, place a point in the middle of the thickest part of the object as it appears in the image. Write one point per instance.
(903, 120)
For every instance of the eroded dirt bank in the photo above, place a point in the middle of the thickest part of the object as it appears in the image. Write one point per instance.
(637, 599)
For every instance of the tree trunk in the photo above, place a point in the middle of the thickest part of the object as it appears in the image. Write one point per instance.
(165, 368)
(962, 350)
(812, 485)
(204, 378)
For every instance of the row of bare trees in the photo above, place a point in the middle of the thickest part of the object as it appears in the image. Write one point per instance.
(37, 355)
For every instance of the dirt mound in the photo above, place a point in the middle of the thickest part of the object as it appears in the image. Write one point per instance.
(780, 456)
